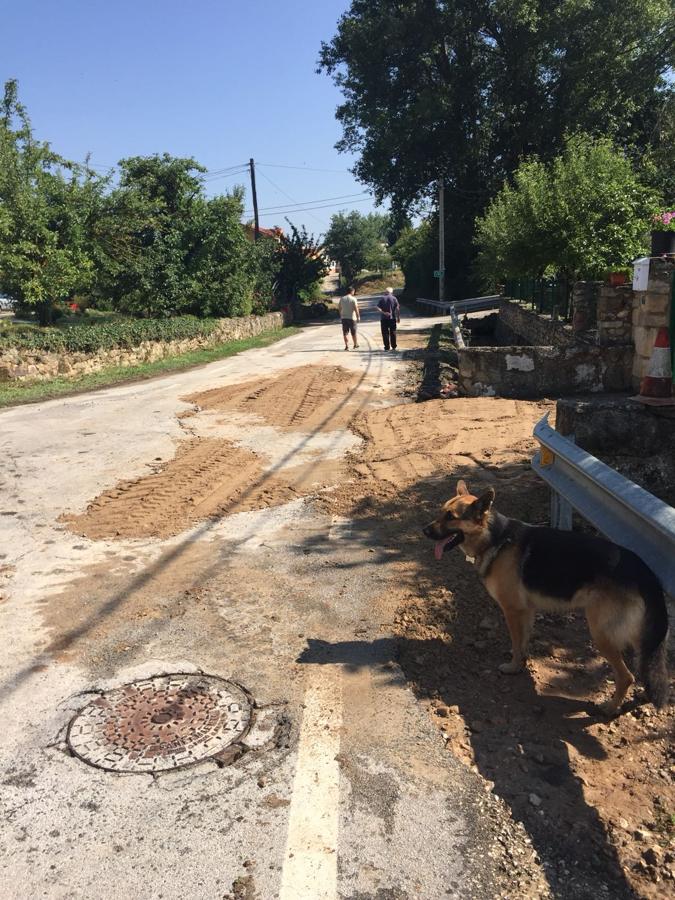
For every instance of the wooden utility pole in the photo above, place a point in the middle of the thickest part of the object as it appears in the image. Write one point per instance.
(441, 241)
(256, 232)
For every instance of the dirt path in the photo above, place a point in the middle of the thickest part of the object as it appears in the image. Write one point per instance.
(536, 739)
(260, 520)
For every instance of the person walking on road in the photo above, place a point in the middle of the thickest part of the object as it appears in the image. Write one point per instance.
(390, 314)
(349, 316)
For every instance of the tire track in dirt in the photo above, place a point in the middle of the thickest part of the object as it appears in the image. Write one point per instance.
(213, 477)
(302, 398)
(206, 478)
(406, 443)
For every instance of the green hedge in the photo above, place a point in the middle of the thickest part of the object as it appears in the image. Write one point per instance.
(107, 336)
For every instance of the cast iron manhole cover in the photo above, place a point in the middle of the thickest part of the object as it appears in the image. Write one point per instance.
(160, 723)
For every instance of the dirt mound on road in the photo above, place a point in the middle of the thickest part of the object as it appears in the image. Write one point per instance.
(206, 478)
(304, 399)
(211, 476)
(412, 441)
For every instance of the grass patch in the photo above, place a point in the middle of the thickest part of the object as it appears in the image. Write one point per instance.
(17, 393)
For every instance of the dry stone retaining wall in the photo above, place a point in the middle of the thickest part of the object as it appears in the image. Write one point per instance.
(614, 315)
(22, 365)
(517, 325)
(529, 372)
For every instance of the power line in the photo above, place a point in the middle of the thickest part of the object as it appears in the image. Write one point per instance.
(308, 208)
(310, 202)
(295, 202)
(209, 178)
(303, 168)
(225, 170)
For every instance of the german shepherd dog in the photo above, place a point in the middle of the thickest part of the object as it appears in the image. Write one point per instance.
(526, 569)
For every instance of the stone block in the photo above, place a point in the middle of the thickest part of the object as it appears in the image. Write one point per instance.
(656, 302)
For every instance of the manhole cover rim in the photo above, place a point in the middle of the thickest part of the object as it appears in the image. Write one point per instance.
(245, 697)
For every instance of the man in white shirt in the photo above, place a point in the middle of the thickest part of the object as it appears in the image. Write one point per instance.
(349, 315)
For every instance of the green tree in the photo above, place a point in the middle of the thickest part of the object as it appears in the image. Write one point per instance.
(356, 241)
(465, 90)
(581, 214)
(301, 265)
(147, 239)
(416, 253)
(47, 209)
(517, 235)
(223, 268)
(264, 261)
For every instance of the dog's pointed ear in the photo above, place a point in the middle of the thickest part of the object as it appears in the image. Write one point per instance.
(462, 488)
(482, 505)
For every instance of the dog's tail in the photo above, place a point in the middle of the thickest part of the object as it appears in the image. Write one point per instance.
(653, 650)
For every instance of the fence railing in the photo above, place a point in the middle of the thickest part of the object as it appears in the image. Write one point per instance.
(471, 304)
(622, 510)
(552, 296)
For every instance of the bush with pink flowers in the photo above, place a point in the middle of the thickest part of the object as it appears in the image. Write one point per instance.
(664, 221)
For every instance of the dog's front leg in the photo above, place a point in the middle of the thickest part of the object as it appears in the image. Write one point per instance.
(519, 622)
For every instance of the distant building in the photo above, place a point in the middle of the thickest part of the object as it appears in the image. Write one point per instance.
(274, 233)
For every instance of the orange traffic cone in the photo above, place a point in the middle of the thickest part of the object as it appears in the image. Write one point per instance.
(656, 388)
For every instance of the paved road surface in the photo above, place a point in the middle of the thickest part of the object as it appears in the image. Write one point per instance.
(358, 799)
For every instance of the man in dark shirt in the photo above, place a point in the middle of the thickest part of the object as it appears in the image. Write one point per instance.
(390, 314)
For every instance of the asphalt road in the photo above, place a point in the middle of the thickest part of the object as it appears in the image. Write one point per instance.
(348, 791)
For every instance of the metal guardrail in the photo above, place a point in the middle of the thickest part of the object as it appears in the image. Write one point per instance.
(471, 304)
(619, 508)
(477, 304)
(435, 304)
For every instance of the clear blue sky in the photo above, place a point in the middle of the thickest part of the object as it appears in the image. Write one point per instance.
(220, 81)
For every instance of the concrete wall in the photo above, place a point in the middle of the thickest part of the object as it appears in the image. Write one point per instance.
(23, 365)
(530, 372)
(517, 325)
(650, 310)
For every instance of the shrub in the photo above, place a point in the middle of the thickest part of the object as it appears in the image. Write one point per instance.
(108, 336)
(586, 212)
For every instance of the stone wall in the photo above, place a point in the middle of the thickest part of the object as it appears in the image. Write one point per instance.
(614, 306)
(23, 365)
(651, 310)
(517, 325)
(531, 372)
(635, 439)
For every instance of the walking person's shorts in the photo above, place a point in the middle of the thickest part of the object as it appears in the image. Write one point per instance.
(349, 327)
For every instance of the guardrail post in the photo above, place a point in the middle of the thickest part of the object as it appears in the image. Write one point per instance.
(561, 509)
(561, 512)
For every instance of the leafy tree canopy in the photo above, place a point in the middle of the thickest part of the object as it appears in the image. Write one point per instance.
(301, 264)
(47, 207)
(356, 241)
(465, 90)
(583, 213)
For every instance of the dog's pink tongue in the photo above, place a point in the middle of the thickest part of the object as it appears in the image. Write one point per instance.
(440, 547)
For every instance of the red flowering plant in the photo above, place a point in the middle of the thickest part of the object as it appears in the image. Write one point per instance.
(664, 221)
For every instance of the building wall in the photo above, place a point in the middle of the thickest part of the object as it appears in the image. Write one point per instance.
(650, 311)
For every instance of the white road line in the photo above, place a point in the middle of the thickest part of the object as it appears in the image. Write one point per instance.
(310, 865)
